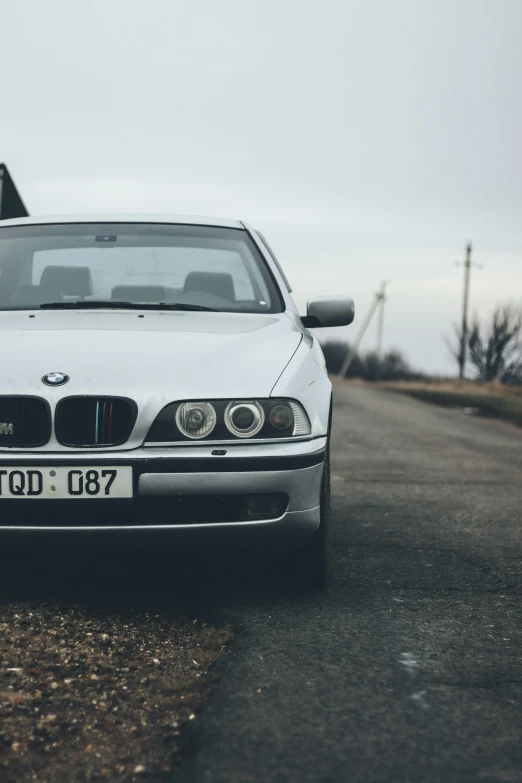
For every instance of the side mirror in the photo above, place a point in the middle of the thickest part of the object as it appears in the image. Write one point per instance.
(329, 311)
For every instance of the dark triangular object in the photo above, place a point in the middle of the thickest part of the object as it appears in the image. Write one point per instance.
(11, 204)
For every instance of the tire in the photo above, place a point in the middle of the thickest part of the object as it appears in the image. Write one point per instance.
(314, 555)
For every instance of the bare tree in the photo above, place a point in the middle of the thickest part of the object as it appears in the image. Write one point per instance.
(495, 348)
(370, 366)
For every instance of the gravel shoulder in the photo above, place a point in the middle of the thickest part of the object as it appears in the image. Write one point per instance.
(98, 684)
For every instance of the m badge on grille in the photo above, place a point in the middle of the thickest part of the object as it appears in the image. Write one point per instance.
(6, 429)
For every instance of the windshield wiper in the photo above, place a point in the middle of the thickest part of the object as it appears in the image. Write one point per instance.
(82, 304)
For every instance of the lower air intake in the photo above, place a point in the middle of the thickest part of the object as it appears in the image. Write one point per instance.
(144, 512)
(94, 421)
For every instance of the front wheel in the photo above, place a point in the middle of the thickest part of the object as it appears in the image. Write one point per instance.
(313, 557)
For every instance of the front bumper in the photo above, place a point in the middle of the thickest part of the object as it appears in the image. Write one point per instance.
(161, 476)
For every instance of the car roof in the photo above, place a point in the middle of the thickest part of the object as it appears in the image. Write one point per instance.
(192, 220)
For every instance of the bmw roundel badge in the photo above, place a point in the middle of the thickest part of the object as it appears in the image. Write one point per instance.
(55, 379)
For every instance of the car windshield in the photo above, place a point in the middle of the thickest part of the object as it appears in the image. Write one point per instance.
(193, 267)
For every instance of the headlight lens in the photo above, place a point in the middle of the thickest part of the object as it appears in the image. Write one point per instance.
(281, 417)
(196, 419)
(244, 419)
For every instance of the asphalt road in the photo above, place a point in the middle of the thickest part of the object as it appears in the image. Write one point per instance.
(409, 667)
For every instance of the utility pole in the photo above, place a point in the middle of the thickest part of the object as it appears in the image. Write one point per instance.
(465, 306)
(380, 326)
(465, 303)
(378, 300)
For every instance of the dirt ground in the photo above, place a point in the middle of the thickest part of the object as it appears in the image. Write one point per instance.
(492, 400)
(94, 692)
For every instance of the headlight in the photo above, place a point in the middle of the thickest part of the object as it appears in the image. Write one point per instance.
(196, 419)
(244, 419)
(229, 420)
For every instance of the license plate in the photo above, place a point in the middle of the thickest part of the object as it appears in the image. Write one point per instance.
(65, 483)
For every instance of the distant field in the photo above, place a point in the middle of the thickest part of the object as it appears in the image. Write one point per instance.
(492, 400)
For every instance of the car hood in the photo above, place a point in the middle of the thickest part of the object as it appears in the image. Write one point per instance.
(153, 357)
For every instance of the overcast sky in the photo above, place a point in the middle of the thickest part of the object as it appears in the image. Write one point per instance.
(368, 139)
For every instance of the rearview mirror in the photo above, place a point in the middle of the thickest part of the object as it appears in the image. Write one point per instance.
(329, 311)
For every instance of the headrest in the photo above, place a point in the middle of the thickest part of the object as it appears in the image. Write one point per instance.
(139, 293)
(217, 283)
(68, 280)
